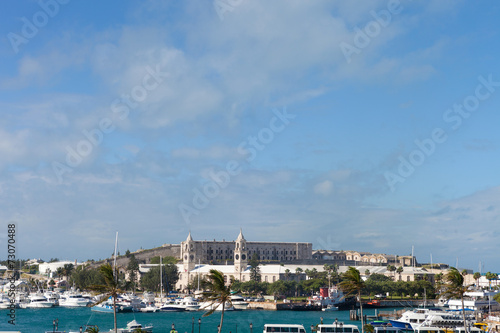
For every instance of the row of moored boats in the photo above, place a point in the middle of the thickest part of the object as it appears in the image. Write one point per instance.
(124, 303)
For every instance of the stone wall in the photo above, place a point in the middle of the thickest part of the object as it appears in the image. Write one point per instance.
(144, 256)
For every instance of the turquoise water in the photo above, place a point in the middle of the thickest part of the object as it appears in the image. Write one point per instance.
(40, 320)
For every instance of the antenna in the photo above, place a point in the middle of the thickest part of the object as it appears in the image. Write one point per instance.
(116, 244)
(412, 258)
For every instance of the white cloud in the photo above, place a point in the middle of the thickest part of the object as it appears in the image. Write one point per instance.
(323, 188)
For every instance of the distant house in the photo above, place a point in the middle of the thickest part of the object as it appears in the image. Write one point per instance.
(50, 268)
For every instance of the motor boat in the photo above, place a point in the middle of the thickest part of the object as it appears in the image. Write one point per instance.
(73, 299)
(239, 302)
(37, 300)
(209, 306)
(134, 326)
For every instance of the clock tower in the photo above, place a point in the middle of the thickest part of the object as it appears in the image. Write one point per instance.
(240, 254)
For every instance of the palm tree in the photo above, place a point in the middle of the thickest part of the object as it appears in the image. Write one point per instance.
(287, 274)
(298, 270)
(392, 269)
(67, 270)
(218, 294)
(491, 276)
(109, 288)
(476, 276)
(399, 270)
(454, 288)
(60, 272)
(352, 283)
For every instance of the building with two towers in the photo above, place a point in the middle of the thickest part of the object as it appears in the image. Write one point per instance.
(231, 258)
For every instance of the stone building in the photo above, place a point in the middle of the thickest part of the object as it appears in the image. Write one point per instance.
(221, 252)
(233, 256)
(353, 258)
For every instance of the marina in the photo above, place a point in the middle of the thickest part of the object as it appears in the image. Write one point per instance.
(71, 319)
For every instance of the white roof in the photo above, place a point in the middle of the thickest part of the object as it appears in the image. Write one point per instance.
(280, 269)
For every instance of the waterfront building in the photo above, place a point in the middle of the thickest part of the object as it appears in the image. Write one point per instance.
(231, 257)
(280, 261)
(49, 269)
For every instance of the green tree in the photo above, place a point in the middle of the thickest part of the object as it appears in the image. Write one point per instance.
(218, 294)
(399, 270)
(151, 279)
(352, 283)
(109, 288)
(133, 270)
(287, 274)
(83, 277)
(60, 271)
(298, 271)
(277, 288)
(67, 270)
(392, 269)
(491, 276)
(254, 268)
(497, 297)
(254, 287)
(477, 276)
(454, 287)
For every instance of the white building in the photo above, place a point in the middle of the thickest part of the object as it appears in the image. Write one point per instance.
(50, 268)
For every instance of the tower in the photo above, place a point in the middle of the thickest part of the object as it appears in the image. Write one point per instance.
(188, 254)
(240, 254)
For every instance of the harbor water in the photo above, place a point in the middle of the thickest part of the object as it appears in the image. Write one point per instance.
(70, 319)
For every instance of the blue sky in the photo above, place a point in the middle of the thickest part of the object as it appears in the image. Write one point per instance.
(369, 126)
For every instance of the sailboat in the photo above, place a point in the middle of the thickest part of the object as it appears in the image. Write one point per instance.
(107, 306)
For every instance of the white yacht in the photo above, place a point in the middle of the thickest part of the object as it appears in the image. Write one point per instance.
(209, 306)
(189, 303)
(52, 296)
(170, 305)
(129, 301)
(429, 318)
(239, 302)
(476, 301)
(37, 300)
(447, 319)
(4, 302)
(148, 307)
(73, 299)
(134, 326)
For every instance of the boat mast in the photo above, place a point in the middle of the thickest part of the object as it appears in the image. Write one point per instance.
(161, 281)
(114, 263)
(199, 264)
